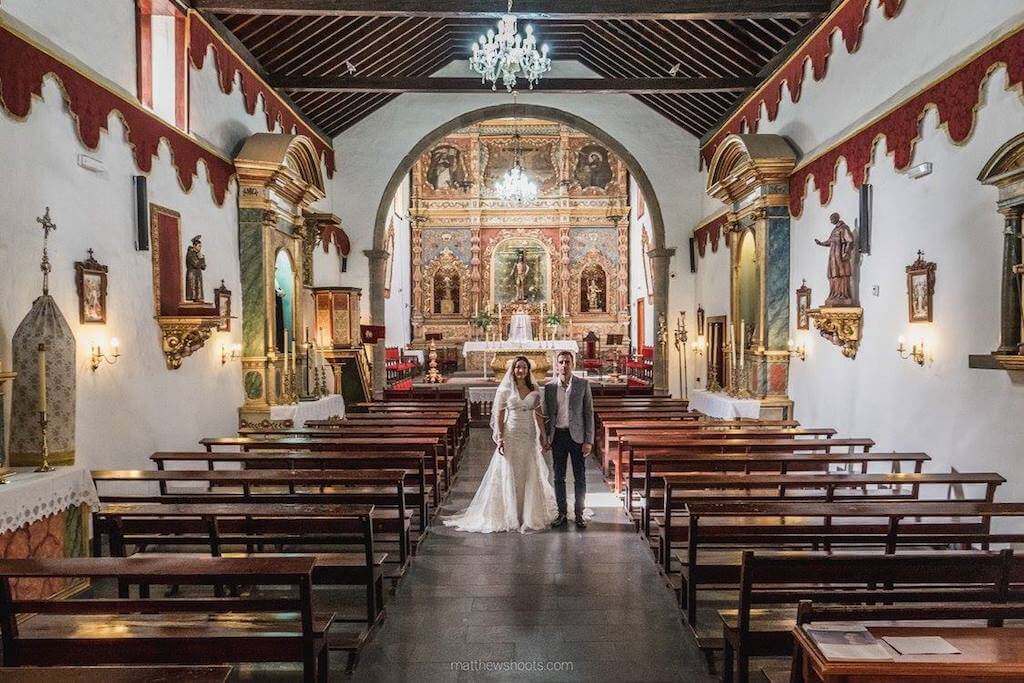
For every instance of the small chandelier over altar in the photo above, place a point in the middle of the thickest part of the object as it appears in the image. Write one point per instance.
(515, 186)
(508, 55)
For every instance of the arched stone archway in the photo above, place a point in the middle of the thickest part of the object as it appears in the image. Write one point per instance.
(659, 254)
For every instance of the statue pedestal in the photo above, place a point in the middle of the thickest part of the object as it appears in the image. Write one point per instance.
(447, 307)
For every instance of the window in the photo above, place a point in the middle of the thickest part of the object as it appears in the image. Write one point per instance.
(162, 67)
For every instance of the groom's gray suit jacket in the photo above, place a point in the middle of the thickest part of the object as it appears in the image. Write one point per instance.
(581, 409)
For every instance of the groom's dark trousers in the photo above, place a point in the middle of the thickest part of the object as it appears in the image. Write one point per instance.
(564, 448)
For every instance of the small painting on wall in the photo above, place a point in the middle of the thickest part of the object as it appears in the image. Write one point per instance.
(920, 289)
(91, 281)
(803, 304)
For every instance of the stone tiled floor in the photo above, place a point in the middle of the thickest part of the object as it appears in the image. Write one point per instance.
(589, 605)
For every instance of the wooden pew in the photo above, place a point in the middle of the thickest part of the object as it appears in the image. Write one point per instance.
(252, 525)
(416, 481)
(396, 420)
(421, 410)
(680, 490)
(778, 525)
(782, 579)
(430, 447)
(382, 488)
(191, 630)
(116, 674)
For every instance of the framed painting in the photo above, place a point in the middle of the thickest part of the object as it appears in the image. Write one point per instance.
(803, 304)
(222, 297)
(91, 282)
(920, 290)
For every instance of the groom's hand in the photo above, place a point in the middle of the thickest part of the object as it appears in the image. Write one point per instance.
(587, 447)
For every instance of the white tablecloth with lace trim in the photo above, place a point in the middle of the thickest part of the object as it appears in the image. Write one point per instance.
(332, 405)
(30, 496)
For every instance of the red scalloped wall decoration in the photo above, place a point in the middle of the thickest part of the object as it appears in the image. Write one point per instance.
(848, 21)
(23, 66)
(710, 231)
(228, 63)
(956, 98)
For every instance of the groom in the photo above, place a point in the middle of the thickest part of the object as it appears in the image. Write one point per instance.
(569, 408)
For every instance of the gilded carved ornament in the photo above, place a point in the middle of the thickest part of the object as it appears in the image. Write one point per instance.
(841, 326)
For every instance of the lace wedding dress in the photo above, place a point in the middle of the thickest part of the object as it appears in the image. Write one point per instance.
(515, 493)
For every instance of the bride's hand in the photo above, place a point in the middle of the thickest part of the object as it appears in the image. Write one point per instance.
(501, 446)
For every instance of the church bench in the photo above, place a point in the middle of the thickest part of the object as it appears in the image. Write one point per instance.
(421, 409)
(116, 674)
(219, 527)
(382, 488)
(883, 525)
(638, 449)
(190, 630)
(417, 482)
(429, 446)
(397, 420)
(681, 490)
(773, 583)
(668, 436)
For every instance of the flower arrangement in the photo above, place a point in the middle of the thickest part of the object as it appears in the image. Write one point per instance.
(553, 319)
(484, 320)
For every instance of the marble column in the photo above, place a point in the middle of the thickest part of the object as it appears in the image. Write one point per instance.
(257, 375)
(659, 304)
(1010, 311)
(378, 260)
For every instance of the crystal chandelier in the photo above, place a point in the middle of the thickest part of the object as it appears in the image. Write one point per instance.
(515, 186)
(507, 55)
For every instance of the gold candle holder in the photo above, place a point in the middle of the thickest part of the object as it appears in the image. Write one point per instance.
(45, 466)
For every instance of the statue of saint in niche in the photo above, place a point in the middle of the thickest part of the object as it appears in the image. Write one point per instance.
(446, 293)
(841, 251)
(593, 168)
(520, 269)
(195, 264)
(445, 170)
(593, 295)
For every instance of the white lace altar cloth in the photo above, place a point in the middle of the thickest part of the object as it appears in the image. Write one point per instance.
(717, 404)
(30, 496)
(332, 405)
(546, 345)
(520, 328)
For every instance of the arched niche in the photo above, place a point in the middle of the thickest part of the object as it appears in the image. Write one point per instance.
(279, 179)
(750, 173)
(503, 260)
(1005, 172)
(658, 254)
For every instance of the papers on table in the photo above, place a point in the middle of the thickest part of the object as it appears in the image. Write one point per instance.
(847, 643)
(921, 645)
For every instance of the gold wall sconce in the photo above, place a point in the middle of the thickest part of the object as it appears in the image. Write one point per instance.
(800, 351)
(915, 352)
(230, 352)
(97, 355)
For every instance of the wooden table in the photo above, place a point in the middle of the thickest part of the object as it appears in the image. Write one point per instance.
(988, 654)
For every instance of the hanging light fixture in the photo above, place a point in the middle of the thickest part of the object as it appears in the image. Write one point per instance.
(515, 186)
(508, 55)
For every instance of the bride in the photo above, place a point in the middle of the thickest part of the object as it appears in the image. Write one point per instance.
(515, 493)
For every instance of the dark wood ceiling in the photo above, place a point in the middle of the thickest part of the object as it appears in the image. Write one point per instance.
(728, 52)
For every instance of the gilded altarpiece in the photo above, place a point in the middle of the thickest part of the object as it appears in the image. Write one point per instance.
(462, 231)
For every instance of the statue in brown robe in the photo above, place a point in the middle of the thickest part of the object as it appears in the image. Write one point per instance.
(840, 245)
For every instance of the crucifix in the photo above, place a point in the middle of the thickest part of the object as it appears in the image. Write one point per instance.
(48, 225)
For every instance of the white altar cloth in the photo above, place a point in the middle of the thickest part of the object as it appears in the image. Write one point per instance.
(526, 345)
(30, 496)
(325, 408)
(520, 328)
(717, 404)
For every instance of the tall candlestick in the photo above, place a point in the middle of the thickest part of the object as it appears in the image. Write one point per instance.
(42, 377)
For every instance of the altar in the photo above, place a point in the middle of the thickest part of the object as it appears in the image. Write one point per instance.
(330, 406)
(540, 353)
(721, 405)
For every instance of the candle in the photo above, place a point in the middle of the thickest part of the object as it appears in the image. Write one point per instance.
(732, 344)
(476, 312)
(305, 338)
(743, 341)
(42, 377)
(285, 366)
(293, 358)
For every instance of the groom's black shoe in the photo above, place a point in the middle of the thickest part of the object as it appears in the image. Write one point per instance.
(580, 522)
(560, 520)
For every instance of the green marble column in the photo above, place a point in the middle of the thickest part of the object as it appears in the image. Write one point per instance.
(1010, 311)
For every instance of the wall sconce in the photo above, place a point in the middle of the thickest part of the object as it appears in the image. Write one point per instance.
(230, 352)
(699, 344)
(798, 351)
(98, 356)
(916, 352)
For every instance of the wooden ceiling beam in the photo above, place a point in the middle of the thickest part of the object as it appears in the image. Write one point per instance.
(629, 86)
(531, 9)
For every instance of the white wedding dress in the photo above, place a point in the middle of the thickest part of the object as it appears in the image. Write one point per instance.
(516, 492)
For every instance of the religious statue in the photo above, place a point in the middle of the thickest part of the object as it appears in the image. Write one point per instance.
(593, 292)
(449, 289)
(519, 272)
(195, 264)
(840, 263)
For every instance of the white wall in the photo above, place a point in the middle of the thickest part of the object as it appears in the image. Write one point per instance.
(637, 281)
(398, 307)
(961, 417)
(370, 152)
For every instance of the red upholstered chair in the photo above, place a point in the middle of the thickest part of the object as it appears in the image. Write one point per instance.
(591, 357)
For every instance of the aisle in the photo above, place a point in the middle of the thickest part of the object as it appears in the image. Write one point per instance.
(589, 605)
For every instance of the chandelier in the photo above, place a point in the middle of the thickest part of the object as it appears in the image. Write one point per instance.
(515, 186)
(507, 55)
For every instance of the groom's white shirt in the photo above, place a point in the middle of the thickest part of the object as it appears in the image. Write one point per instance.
(562, 421)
